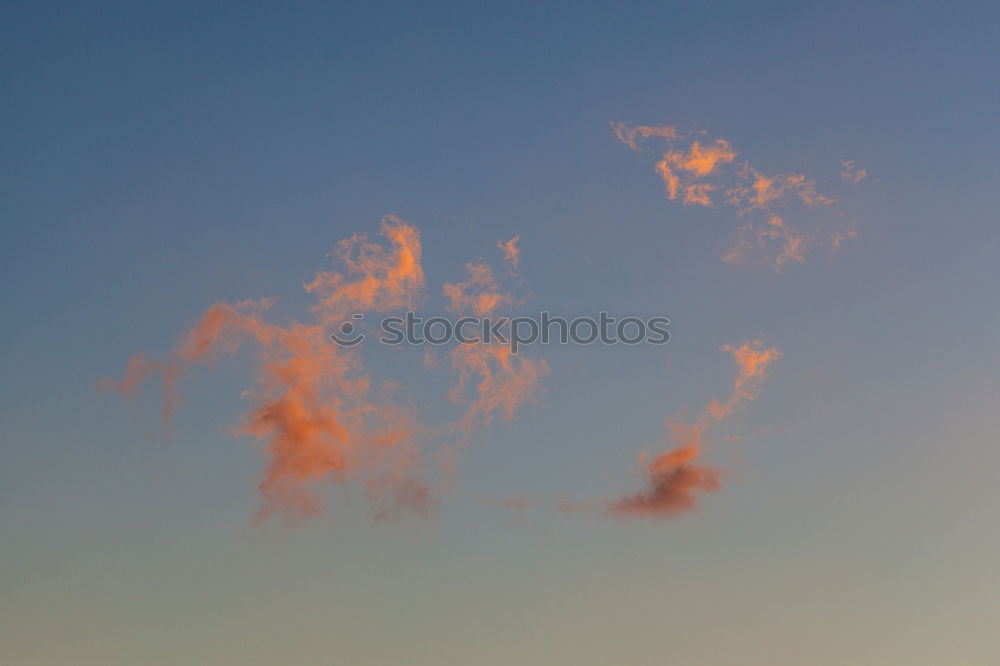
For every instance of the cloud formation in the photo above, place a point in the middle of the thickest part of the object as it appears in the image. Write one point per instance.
(684, 172)
(491, 380)
(319, 414)
(701, 172)
(322, 418)
(373, 278)
(511, 253)
(314, 407)
(675, 477)
(755, 238)
(851, 173)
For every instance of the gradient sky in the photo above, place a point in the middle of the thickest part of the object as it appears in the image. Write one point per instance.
(159, 158)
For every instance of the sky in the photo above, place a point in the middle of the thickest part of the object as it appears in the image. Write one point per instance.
(194, 195)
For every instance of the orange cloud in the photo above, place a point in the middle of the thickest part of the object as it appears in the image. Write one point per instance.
(837, 238)
(759, 192)
(138, 371)
(491, 379)
(479, 295)
(754, 241)
(753, 361)
(511, 253)
(852, 173)
(675, 477)
(387, 280)
(681, 169)
(699, 194)
(703, 160)
(692, 172)
(313, 405)
(315, 409)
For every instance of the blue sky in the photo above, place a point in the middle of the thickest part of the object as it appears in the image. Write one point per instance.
(158, 159)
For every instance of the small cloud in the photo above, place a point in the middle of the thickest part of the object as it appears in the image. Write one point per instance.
(851, 173)
(676, 477)
(704, 172)
(511, 253)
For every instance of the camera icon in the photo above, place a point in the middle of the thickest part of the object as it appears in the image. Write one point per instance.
(348, 335)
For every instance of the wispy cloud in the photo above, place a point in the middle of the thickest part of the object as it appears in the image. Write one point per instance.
(697, 171)
(631, 135)
(319, 414)
(851, 172)
(314, 407)
(491, 379)
(479, 294)
(373, 278)
(684, 172)
(511, 253)
(676, 476)
(755, 238)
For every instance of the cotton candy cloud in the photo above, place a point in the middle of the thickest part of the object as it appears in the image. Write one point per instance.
(697, 171)
(676, 477)
(314, 408)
